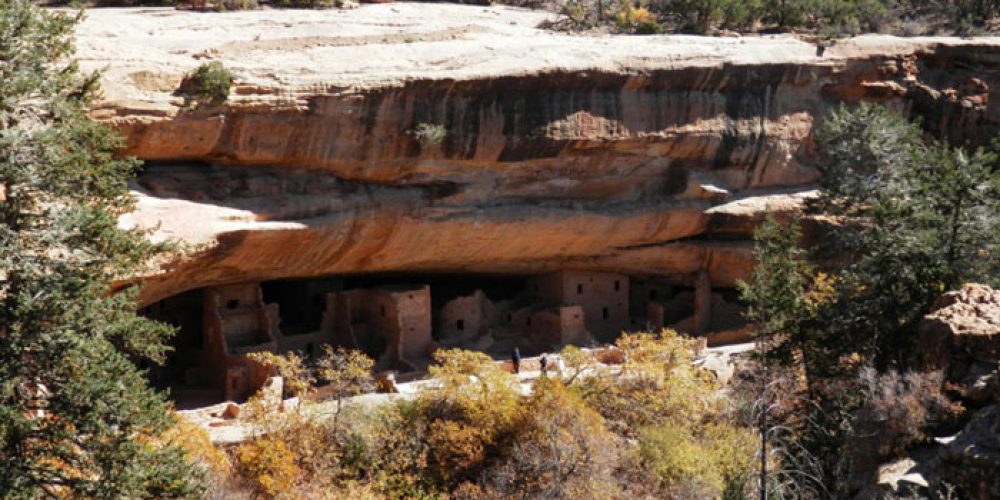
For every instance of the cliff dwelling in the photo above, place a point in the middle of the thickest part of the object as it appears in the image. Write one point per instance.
(399, 320)
(561, 203)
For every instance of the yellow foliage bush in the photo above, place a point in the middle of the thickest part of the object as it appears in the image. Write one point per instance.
(475, 389)
(457, 448)
(712, 459)
(657, 384)
(631, 16)
(298, 381)
(578, 362)
(193, 439)
(636, 19)
(268, 465)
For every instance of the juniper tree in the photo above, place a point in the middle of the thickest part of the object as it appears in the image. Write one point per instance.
(900, 219)
(913, 218)
(76, 416)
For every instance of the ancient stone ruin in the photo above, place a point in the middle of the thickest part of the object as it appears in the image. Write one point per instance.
(400, 324)
(603, 184)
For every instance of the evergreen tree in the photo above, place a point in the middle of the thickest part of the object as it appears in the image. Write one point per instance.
(76, 416)
(909, 219)
(776, 293)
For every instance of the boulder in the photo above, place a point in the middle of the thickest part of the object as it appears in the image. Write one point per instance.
(961, 335)
(971, 461)
(231, 411)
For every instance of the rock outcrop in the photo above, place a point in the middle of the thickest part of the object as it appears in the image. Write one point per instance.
(962, 334)
(638, 155)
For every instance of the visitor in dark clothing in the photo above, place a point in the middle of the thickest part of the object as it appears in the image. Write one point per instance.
(515, 357)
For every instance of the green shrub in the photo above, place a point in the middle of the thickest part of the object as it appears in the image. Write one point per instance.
(703, 16)
(429, 134)
(307, 4)
(210, 82)
(648, 28)
(237, 5)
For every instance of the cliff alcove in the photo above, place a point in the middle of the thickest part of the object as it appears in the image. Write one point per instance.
(400, 319)
(639, 157)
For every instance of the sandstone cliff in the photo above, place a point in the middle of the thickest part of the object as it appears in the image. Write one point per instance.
(645, 155)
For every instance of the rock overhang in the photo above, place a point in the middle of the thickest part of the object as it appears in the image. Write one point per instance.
(652, 155)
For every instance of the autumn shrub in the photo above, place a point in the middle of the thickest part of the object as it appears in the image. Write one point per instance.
(195, 442)
(346, 372)
(705, 460)
(457, 449)
(577, 363)
(268, 465)
(561, 449)
(477, 401)
(897, 409)
(327, 456)
(639, 20)
(657, 383)
(398, 455)
(298, 379)
(473, 389)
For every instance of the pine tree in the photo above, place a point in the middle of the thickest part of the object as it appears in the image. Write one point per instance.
(913, 218)
(76, 416)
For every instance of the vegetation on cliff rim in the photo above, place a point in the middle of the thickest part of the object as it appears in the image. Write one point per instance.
(76, 415)
(210, 82)
(827, 18)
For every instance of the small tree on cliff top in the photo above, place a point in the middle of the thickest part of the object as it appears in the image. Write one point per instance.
(65, 344)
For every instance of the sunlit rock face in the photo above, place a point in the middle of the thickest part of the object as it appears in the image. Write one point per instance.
(636, 155)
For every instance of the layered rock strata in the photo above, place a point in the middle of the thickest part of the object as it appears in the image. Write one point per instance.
(636, 155)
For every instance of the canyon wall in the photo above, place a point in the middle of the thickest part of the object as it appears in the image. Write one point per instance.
(637, 155)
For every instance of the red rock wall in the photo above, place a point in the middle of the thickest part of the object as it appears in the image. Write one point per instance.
(659, 173)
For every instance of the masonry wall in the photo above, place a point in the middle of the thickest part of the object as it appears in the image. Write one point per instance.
(236, 322)
(391, 324)
(604, 298)
(545, 331)
(547, 288)
(573, 329)
(413, 316)
(643, 291)
(370, 321)
(464, 318)
(303, 302)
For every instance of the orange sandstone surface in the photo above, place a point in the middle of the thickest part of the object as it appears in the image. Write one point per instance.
(645, 155)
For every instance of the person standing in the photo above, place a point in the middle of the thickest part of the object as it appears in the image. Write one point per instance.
(515, 358)
(543, 362)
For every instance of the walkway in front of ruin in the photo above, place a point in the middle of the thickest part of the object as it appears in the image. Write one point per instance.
(227, 431)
